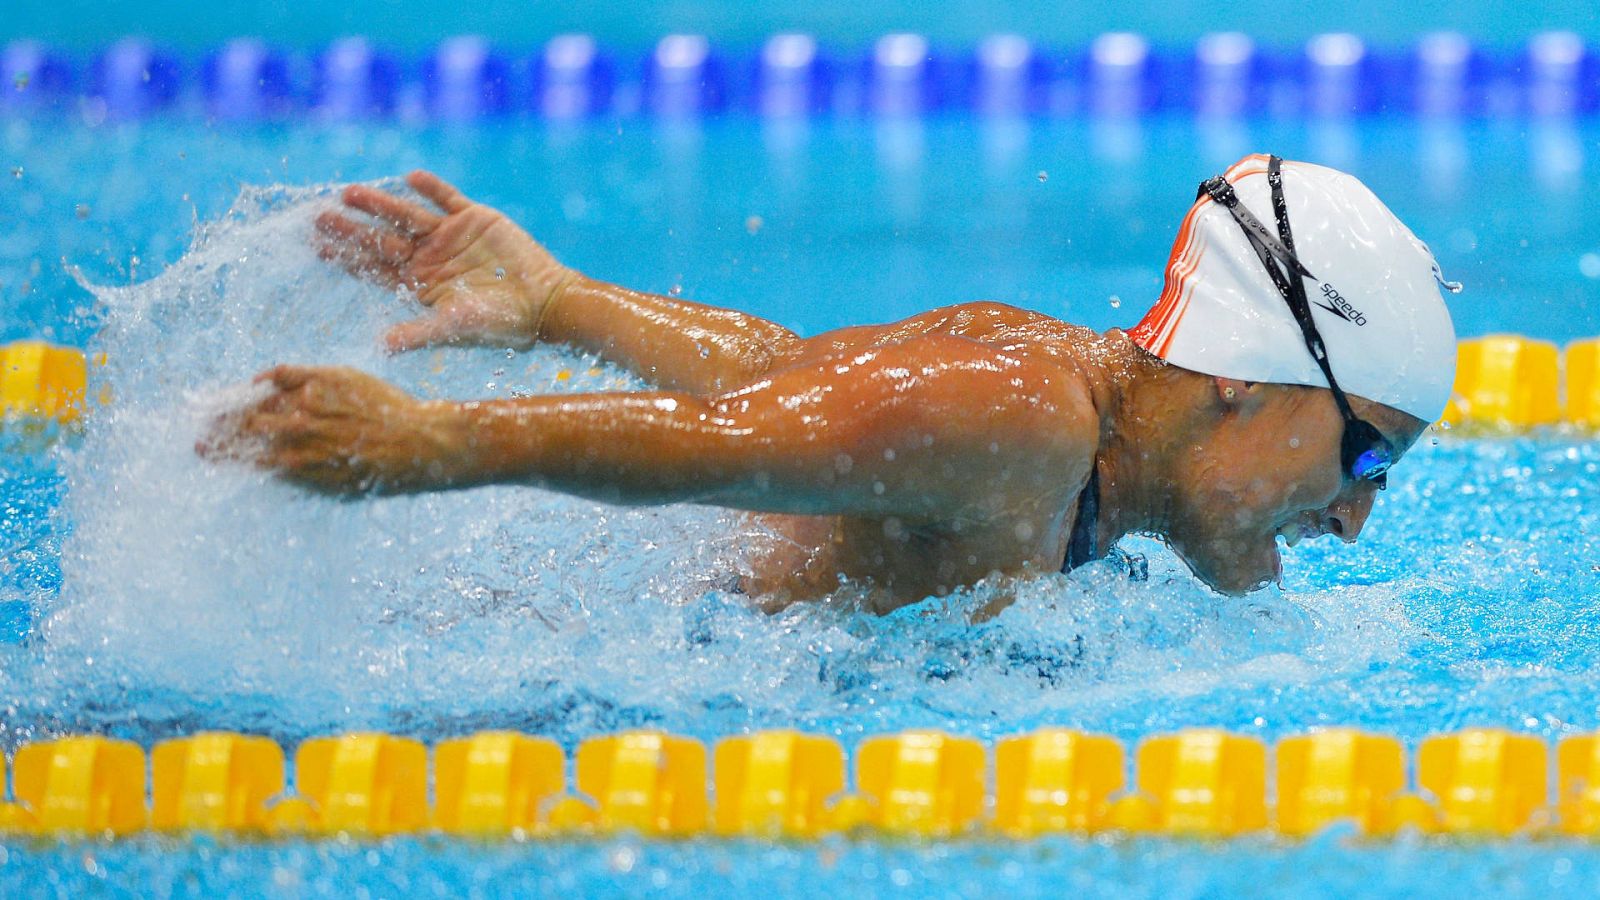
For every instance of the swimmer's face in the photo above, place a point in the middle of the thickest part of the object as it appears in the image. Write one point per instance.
(1272, 470)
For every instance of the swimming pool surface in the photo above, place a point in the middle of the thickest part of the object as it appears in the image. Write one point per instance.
(145, 595)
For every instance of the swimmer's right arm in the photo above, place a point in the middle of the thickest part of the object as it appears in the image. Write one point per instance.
(931, 432)
(934, 431)
(486, 282)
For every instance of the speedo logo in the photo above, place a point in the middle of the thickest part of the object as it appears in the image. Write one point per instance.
(1339, 306)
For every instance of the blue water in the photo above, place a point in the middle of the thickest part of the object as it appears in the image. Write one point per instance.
(144, 594)
(88, 24)
(1331, 867)
(859, 220)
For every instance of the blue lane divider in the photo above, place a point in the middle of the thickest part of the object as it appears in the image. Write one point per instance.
(792, 77)
(1554, 74)
(682, 76)
(132, 79)
(1443, 75)
(905, 76)
(1563, 75)
(1009, 77)
(466, 79)
(245, 80)
(354, 81)
(31, 77)
(572, 78)
(1340, 75)
(1227, 76)
(1125, 77)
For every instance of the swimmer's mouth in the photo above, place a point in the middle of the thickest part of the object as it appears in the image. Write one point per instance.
(1294, 532)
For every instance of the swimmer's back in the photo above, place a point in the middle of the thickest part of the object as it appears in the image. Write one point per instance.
(984, 321)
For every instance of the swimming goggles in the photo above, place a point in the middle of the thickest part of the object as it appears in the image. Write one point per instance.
(1364, 453)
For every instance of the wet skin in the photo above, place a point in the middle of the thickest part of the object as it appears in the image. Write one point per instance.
(911, 458)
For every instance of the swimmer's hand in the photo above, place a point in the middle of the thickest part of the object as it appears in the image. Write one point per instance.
(341, 432)
(485, 281)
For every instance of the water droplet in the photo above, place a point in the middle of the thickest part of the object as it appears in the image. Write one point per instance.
(675, 290)
(705, 352)
(16, 171)
(510, 353)
(1043, 176)
(81, 210)
(499, 274)
(1116, 302)
(1589, 265)
(622, 859)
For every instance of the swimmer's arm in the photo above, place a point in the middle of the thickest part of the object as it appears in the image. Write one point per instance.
(484, 281)
(934, 430)
(672, 343)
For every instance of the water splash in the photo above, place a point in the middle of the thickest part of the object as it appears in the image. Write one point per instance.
(188, 579)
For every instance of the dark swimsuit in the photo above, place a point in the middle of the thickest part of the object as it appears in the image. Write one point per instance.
(1081, 545)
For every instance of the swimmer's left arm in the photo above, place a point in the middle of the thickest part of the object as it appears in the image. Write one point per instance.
(934, 429)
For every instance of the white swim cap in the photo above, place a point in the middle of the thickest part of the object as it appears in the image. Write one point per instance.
(1374, 294)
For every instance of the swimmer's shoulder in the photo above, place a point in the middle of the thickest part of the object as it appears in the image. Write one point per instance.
(1060, 428)
(1060, 351)
(1054, 351)
(980, 319)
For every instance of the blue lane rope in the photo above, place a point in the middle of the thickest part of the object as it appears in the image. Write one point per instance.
(1555, 74)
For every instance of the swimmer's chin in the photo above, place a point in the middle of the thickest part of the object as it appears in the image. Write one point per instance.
(1243, 573)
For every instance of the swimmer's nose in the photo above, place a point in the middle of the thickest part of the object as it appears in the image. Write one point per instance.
(1347, 515)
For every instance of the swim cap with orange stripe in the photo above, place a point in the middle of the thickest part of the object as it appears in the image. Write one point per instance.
(1374, 293)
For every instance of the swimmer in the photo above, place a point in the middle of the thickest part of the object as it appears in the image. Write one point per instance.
(1299, 347)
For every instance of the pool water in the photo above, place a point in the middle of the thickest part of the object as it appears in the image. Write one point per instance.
(144, 594)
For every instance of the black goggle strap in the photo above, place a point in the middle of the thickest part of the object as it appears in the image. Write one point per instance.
(1298, 302)
(1359, 435)
(1271, 250)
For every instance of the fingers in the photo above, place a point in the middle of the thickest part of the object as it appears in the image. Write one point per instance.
(402, 214)
(332, 477)
(287, 378)
(419, 333)
(225, 439)
(243, 434)
(362, 250)
(438, 190)
(379, 243)
(286, 434)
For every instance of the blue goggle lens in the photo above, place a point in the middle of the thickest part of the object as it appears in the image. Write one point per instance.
(1367, 454)
(1372, 464)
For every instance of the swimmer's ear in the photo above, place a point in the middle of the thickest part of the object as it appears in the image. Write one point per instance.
(1240, 396)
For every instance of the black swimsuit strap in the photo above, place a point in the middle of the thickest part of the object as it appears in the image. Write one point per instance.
(1081, 547)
